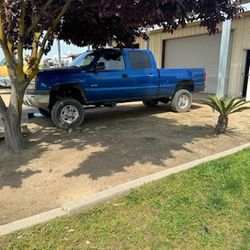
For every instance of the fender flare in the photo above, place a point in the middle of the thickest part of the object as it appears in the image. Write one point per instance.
(185, 84)
(67, 86)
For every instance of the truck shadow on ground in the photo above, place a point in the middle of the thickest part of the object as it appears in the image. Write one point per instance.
(126, 136)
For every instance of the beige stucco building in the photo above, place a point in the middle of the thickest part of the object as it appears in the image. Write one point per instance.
(193, 47)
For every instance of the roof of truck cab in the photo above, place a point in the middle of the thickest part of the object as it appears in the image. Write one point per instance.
(117, 49)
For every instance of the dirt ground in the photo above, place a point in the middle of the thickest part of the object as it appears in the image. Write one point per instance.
(114, 146)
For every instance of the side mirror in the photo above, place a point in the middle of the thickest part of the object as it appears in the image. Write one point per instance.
(100, 66)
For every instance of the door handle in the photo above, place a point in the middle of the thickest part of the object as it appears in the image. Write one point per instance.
(94, 85)
(124, 75)
(151, 75)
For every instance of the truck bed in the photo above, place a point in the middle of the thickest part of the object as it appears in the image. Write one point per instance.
(170, 78)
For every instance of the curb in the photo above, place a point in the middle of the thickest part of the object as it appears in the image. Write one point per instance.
(87, 202)
(31, 221)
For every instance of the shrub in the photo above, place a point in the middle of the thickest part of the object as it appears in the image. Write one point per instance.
(225, 106)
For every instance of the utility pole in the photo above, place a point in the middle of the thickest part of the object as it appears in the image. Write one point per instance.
(224, 54)
(59, 53)
(148, 41)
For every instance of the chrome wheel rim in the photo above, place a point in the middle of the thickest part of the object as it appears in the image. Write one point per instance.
(183, 101)
(69, 114)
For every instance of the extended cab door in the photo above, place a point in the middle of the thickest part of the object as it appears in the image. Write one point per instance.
(110, 80)
(144, 73)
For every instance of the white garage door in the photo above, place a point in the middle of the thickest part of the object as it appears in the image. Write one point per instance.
(201, 51)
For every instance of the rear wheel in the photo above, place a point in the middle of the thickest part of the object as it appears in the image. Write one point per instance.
(151, 103)
(67, 113)
(182, 101)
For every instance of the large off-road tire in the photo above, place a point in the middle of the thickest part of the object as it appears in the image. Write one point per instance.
(150, 103)
(44, 112)
(182, 101)
(67, 113)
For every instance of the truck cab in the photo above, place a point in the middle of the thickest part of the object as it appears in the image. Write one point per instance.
(107, 77)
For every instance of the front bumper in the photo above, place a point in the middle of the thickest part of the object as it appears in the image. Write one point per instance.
(37, 99)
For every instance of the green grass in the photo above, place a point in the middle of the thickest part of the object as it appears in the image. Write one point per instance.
(205, 208)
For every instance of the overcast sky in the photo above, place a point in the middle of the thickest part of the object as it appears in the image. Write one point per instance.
(66, 49)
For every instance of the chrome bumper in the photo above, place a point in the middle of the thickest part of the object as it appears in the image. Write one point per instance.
(37, 99)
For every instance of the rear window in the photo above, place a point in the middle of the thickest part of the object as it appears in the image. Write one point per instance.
(139, 60)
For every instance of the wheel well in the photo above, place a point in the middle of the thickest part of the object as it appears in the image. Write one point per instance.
(63, 91)
(187, 84)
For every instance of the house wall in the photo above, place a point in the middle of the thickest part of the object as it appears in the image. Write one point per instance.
(241, 43)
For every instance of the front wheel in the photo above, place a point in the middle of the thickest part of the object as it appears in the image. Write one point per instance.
(67, 113)
(182, 101)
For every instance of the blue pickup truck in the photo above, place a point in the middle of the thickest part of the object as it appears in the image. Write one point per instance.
(107, 77)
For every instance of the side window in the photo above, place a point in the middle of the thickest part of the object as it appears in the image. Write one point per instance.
(112, 61)
(139, 60)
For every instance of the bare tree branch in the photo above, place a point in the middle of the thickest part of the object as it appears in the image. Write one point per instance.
(50, 31)
(21, 37)
(10, 47)
(35, 44)
(4, 44)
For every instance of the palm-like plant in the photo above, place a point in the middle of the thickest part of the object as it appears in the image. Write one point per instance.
(225, 106)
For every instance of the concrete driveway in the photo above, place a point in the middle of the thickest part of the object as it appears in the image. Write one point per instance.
(114, 146)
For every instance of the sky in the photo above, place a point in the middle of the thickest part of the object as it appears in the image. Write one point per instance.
(67, 49)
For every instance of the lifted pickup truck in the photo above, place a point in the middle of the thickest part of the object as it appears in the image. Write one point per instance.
(109, 76)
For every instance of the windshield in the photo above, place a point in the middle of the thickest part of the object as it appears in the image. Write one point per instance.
(84, 60)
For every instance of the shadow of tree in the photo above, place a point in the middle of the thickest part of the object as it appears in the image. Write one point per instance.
(132, 144)
(127, 135)
(14, 178)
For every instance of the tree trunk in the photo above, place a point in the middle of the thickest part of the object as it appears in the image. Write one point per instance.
(12, 119)
(222, 124)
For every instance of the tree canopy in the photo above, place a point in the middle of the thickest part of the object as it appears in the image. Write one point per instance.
(99, 22)
(102, 22)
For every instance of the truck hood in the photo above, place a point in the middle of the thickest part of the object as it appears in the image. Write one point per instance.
(48, 78)
(60, 70)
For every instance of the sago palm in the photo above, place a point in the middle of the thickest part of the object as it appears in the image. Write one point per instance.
(225, 106)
